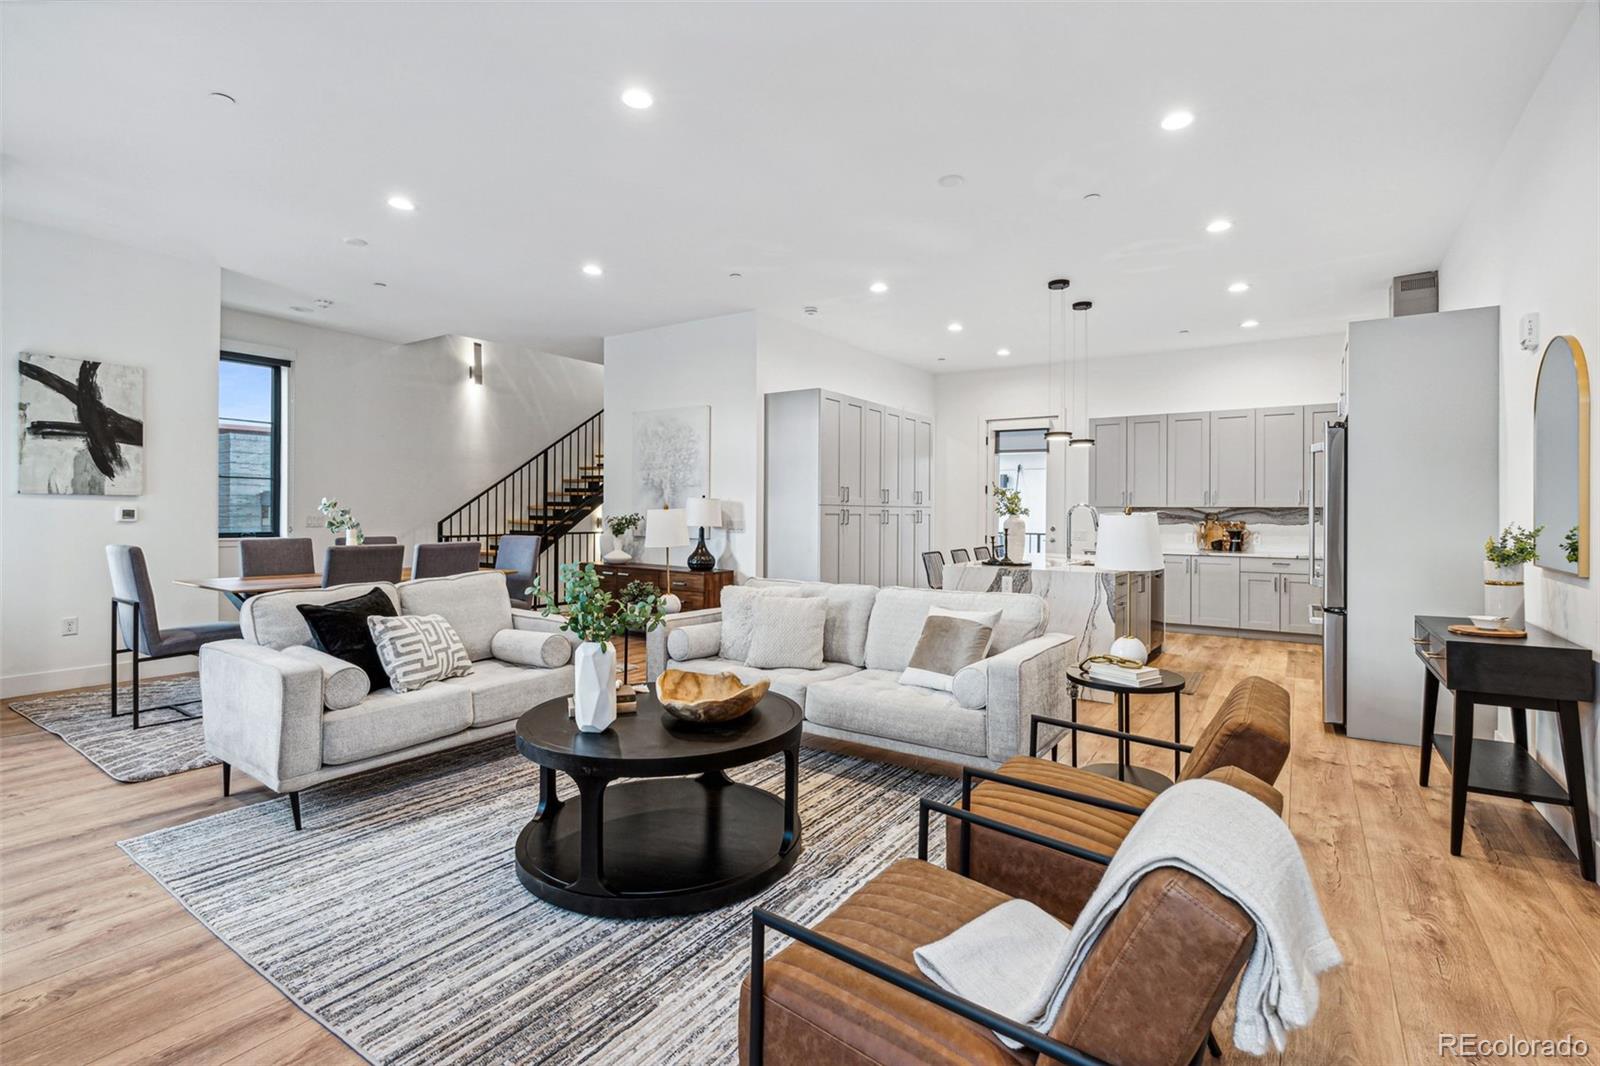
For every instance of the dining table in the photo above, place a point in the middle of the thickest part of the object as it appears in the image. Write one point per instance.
(239, 589)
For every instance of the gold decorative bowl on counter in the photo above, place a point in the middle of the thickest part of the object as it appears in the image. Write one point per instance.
(707, 699)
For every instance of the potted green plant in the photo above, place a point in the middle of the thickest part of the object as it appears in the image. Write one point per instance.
(596, 617)
(621, 526)
(1008, 502)
(1569, 545)
(1503, 560)
(340, 520)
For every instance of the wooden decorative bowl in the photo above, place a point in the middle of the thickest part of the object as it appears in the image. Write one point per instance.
(707, 699)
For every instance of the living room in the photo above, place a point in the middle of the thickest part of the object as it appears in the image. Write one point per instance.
(886, 467)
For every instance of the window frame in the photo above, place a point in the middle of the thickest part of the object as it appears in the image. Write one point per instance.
(279, 368)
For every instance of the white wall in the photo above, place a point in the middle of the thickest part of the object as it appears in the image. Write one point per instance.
(66, 294)
(1531, 242)
(793, 357)
(1263, 374)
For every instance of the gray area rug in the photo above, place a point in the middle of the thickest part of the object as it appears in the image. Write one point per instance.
(165, 743)
(397, 921)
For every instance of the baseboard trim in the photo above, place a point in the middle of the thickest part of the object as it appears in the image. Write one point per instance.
(15, 685)
(1247, 634)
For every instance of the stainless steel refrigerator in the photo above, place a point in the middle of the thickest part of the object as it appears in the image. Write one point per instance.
(1405, 488)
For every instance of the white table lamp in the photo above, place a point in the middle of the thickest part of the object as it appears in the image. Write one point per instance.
(705, 512)
(1129, 542)
(667, 528)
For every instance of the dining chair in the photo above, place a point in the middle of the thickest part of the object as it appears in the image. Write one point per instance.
(518, 553)
(267, 556)
(133, 618)
(450, 557)
(368, 540)
(346, 564)
(933, 563)
(960, 555)
(982, 553)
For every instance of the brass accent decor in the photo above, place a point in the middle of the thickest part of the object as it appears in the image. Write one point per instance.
(707, 699)
(1561, 456)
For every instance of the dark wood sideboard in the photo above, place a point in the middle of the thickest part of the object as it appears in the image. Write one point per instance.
(1540, 673)
(698, 589)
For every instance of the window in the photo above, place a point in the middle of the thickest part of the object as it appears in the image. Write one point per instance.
(249, 446)
(1022, 462)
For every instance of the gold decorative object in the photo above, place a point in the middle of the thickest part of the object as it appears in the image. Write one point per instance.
(706, 699)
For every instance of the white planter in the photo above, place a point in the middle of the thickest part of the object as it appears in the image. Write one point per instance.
(1016, 539)
(1503, 593)
(618, 552)
(354, 536)
(594, 687)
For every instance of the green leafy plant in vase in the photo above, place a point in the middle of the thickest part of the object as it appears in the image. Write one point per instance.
(596, 618)
(1008, 503)
(340, 520)
(1569, 545)
(621, 527)
(1503, 560)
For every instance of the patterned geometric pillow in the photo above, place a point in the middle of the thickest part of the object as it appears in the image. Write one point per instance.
(418, 648)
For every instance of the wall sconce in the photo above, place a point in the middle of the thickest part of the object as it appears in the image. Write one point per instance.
(475, 371)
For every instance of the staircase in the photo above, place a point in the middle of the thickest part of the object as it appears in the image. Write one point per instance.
(552, 496)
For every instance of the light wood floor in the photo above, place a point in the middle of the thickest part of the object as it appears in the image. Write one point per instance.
(98, 964)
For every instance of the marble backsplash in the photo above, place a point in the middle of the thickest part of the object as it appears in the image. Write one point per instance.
(1270, 529)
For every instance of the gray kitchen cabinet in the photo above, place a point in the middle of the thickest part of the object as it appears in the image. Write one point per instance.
(842, 544)
(1259, 606)
(830, 482)
(1280, 457)
(1109, 463)
(1179, 596)
(1233, 459)
(916, 527)
(922, 461)
(871, 456)
(1145, 438)
(1215, 592)
(1189, 460)
(870, 567)
(893, 478)
(852, 427)
(1297, 597)
(1317, 419)
(888, 544)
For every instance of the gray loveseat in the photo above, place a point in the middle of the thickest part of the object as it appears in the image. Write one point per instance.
(292, 716)
(868, 640)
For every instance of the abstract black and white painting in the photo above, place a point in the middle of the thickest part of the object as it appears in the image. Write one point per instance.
(671, 455)
(82, 427)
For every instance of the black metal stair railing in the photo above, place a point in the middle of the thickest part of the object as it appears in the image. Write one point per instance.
(553, 496)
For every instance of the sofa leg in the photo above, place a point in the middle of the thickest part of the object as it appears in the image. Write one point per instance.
(227, 778)
(294, 809)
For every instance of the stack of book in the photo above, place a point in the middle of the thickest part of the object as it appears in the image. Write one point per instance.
(1125, 675)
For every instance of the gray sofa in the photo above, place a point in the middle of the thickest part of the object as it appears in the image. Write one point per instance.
(292, 716)
(868, 640)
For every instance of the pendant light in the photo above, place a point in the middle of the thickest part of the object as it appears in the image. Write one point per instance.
(1063, 431)
(1080, 369)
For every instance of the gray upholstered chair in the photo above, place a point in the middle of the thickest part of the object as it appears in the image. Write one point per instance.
(451, 557)
(982, 553)
(933, 565)
(263, 556)
(368, 540)
(346, 564)
(960, 555)
(133, 618)
(519, 554)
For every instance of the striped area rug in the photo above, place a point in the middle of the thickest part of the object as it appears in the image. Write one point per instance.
(397, 921)
(165, 743)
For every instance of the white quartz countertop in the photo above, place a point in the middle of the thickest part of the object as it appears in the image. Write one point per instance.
(1268, 554)
(1077, 566)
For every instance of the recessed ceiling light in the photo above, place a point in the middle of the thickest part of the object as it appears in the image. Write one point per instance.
(1002, 352)
(1239, 286)
(735, 274)
(381, 284)
(594, 270)
(1177, 120)
(1249, 323)
(1218, 225)
(955, 327)
(1183, 331)
(302, 309)
(879, 287)
(356, 242)
(638, 99)
(223, 98)
(941, 359)
(1091, 196)
(402, 203)
(950, 181)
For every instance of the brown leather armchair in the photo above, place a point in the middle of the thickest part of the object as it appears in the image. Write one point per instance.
(849, 991)
(1245, 745)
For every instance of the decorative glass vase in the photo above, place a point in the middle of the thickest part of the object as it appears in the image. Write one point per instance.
(1016, 539)
(353, 535)
(594, 686)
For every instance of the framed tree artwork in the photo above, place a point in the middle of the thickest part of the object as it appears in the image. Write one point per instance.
(671, 456)
(82, 427)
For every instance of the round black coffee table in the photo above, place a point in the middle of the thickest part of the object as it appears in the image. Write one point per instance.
(1122, 769)
(679, 838)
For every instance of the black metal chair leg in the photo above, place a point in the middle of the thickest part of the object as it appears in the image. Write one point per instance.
(135, 658)
(294, 809)
(113, 658)
(227, 778)
(1212, 1045)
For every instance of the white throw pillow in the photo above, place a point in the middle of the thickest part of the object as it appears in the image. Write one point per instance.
(738, 613)
(787, 633)
(700, 641)
(950, 641)
(418, 648)
(344, 684)
(529, 647)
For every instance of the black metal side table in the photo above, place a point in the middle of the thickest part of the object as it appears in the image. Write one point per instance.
(1122, 769)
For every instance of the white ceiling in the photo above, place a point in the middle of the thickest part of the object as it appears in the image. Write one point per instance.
(797, 144)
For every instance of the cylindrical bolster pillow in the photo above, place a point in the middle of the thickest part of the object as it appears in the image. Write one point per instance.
(970, 686)
(526, 647)
(344, 684)
(700, 641)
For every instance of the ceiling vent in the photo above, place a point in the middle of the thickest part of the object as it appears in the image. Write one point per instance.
(1414, 294)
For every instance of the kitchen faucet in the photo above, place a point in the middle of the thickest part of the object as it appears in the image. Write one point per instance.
(1094, 514)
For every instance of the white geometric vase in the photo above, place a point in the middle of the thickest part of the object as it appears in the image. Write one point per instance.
(594, 687)
(1504, 593)
(618, 553)
(1016, 539)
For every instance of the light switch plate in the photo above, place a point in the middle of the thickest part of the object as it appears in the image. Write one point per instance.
(126, 513)
(1528, 332)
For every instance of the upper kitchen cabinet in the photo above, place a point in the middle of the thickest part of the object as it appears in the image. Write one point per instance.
(922, 460)
(1147, 460)
(1109, 461)
(1280, 457)
(871, 455)
(894, 480)
(1233, 458)
(1189, 459)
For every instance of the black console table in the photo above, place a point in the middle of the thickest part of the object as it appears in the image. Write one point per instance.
(1540, 673)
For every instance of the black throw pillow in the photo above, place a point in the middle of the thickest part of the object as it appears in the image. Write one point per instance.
(341, 630)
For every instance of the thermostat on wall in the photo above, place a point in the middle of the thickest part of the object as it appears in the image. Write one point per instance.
(127, 514)
(1528, 332)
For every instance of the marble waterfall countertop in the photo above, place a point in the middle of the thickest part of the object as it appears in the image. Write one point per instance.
(1079, 597)
(1270, 553)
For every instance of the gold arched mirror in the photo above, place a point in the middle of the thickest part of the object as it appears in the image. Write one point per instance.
(1561, 457)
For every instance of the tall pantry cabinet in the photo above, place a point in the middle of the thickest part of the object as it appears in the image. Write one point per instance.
(849, 489)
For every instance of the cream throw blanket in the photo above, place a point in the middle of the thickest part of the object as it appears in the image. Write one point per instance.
(1019, 962)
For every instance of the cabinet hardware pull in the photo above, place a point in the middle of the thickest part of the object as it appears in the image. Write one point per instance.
(1433, 655)
(1419, 640)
